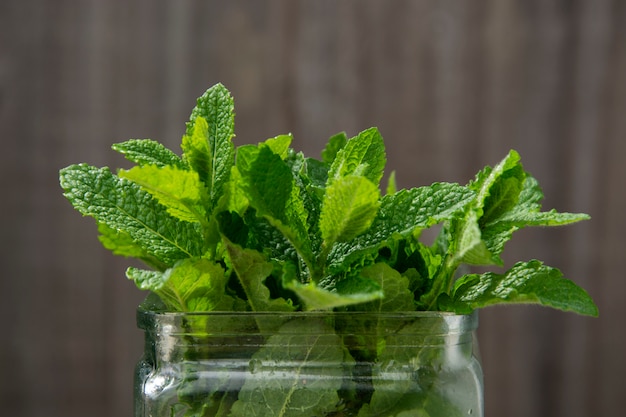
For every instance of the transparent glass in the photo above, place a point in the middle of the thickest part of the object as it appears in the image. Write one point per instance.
(308, 364)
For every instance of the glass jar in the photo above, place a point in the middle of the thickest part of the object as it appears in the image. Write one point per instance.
(308, 364)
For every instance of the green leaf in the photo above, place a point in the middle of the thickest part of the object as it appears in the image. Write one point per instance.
(120, 243)
(191, 285)
(498, 230)
(148, 152)
(468, 245)
(527, 283)
(348, 209)
(410, 376)
(363, 155)
(216, 107)
(309, 356)
(123, 206)
(335, 293)
(334, 145)
(392, 187)
(271, 190)
(181, 191)
(196, 151)
(279, 145)
(395, 287)
(399, 216)
(396, 296)
(497, 191)
(252, 269)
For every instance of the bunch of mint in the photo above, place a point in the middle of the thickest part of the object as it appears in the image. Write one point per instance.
(264, 228)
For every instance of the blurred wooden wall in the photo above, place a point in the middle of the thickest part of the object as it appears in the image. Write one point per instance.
(452, 85)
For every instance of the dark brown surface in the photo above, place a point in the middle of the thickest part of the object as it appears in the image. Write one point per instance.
(452, 85)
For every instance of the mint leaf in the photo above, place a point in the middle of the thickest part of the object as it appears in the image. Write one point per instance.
(497, 191)
(120, 243)
(395, 287)
(216, 107)
(396, 296)
(498, 229)
(333, 292)
(468, 245)
(271, 190)
(122, 205)
(148, 152)
(318, 298)
(252, 269)
(363, 155)
(391, 183)
(410, 376)
(180, 191)
(526, 282)
(279, 145)
(197, 152)
(191, 285)
(399, 216)
(348, 209)
(309, 356)
(334, 145)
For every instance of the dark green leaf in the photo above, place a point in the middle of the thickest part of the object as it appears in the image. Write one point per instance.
(400, 215)
(122, 205)
(148, 152)
(271, 190)
(527, 282)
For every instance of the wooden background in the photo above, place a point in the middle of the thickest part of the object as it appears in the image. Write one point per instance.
(452, 85)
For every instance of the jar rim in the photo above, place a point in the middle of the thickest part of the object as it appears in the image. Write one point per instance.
(311, 313)
(451, 322)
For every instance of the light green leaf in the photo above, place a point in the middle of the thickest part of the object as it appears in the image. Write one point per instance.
(279, 145)
(363, 155)
(148, 152)
(252, 269)
(122, 205)
(334, 145)
(234, 197)
(120, 243)
(181, 191)
(197, 153)
(469, 246)
(348, 209)
(396, 297)
(309, 356)
(216, 107)
(335, 293)
(191, 285)
(497, 191)
(392, 187)
(395, 287)
(526, 282)
(400, 215)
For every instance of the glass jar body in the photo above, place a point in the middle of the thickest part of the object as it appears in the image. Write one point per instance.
(309, 364)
